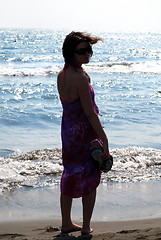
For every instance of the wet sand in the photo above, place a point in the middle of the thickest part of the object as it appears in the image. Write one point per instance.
(115, 202)
(127, 211)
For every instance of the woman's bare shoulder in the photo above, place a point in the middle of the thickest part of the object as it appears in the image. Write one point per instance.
(60, 74)
(76, 78)
(82, 79)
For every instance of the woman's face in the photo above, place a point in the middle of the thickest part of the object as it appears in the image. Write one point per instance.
(82, 54)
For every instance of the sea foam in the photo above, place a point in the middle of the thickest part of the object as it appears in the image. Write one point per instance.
(44, 167)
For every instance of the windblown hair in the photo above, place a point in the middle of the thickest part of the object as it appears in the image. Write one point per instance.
(72, 40)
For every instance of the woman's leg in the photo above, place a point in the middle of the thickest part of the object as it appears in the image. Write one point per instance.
(88, 206)
(67, 225)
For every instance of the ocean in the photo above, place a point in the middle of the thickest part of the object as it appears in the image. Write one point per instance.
(125, 72)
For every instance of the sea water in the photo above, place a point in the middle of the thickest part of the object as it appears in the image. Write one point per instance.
(125, 72)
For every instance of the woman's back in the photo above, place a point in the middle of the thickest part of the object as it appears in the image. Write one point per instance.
(67, 84)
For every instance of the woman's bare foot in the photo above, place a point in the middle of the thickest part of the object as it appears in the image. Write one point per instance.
(72, 228)
(86, 231)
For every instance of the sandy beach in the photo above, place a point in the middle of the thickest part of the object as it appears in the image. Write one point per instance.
(50, 230)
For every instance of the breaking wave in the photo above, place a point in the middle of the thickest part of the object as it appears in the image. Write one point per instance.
(44, 167)
(153, 67)
(105, 67)
(24, 72)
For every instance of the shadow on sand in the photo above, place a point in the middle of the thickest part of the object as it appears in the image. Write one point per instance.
(65, 236)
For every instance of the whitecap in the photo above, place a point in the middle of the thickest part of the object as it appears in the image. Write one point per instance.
(24, 72)
(149, 67)
(131, 164)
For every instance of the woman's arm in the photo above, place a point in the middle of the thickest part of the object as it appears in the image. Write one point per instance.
(86, 100)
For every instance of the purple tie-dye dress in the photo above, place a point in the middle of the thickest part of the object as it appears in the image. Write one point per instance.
(81, 174)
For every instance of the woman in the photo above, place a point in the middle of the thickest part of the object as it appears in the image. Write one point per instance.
(80, 125)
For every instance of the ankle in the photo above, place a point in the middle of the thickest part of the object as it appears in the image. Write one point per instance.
(66, 224)
(86, 230)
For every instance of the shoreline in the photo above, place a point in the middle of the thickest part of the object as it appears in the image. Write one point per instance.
(48, 229)
(115, 202)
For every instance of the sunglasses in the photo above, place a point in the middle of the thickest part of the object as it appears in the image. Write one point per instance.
(82, 51)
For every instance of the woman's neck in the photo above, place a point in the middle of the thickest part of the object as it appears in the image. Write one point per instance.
(75, 67)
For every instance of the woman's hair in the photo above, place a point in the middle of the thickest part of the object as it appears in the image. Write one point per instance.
(72, 40)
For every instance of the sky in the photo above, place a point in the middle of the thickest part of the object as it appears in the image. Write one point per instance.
(104, 15)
